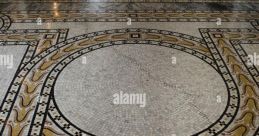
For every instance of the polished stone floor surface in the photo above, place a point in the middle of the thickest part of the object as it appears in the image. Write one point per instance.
(129, 67)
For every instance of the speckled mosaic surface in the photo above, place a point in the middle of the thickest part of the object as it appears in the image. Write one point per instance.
(125, 68)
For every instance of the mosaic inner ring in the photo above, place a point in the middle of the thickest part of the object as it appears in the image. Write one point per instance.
(56, 114)
(55, 53)
(61, 120)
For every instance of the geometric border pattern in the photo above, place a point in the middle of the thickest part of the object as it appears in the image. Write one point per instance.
(223, 43)
(135, 16)
(5, 22)
(36, 40)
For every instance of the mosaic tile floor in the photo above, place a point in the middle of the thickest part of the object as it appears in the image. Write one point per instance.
(178, 68)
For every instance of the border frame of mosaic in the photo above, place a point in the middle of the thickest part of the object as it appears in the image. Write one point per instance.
(6, 21)
(30, 51)
(252, 70)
